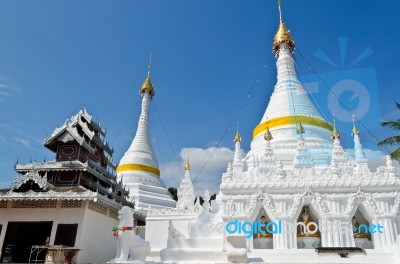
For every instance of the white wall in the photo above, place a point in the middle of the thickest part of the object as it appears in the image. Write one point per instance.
(94, 235)
(96, 239)
(56, 215)
(157, 229)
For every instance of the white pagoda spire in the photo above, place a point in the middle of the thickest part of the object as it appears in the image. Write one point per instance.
(140, 156)
(269, 152)
(339, 156)
(237, 159)
(186, 194)
(288, 105)
(138, 168)
(302, 157)
(360, 159)
(358, 148)
(289, 99)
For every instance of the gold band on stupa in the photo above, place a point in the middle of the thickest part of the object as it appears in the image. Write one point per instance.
(138, 167)
(291, 120)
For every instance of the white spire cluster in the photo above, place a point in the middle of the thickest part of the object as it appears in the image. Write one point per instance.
(186, 195)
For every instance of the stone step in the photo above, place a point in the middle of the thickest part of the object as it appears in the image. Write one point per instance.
(310, 256)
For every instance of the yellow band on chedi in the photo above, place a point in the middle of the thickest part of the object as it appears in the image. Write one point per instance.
(291, 120)
(138, 167)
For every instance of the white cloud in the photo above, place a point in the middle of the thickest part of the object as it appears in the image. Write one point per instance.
(23, 142)
(21, 137)
(6, 89)
(207, 164)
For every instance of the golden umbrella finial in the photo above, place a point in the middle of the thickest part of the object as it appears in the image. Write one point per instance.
(267, 135)
(237, 138)
(147, 85)
(282, 35)
(187, 165)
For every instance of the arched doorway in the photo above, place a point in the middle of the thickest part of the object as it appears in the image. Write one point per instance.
(308, 235)
(260, 240)
(362, 237)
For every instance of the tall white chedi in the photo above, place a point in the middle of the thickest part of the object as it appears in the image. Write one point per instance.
(138, 168)
(290, 105)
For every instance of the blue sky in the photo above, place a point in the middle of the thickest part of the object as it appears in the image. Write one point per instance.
(58, 56)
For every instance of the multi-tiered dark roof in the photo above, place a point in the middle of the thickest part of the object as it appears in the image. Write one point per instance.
(83, 167)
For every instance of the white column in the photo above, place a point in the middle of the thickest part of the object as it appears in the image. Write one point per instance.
(286, 239)
(336, 233)
(389, 233)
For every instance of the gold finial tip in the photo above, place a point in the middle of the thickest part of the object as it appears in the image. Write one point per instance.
(335, 132)
(187, 165)
(282, 36)
(268, 136)
(300, 128)
(147, 86)
(238, 138)
(355, 130)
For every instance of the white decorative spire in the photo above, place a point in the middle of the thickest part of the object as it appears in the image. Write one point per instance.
(339, 156)
(359, 154)
(237, 159)
(390, 166)
(269, 152)
(186, 195)
(268, 160)
(360, 159)
(303, 156)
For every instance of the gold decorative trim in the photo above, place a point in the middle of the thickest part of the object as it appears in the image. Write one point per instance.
(291, 120)
(138, 167)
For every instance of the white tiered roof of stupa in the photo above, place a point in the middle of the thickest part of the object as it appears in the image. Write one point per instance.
(139, 168)
(289, 104)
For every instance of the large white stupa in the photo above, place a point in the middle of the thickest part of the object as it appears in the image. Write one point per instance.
(138, 168)
(295, 178)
